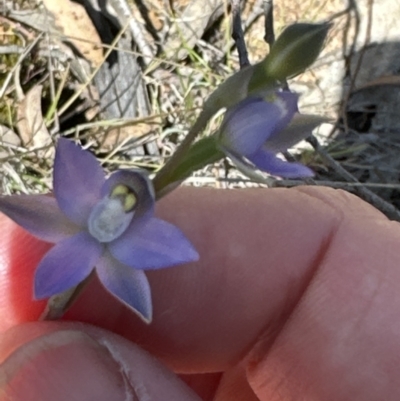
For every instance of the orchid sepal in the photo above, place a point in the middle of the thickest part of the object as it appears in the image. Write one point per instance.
(40, 215)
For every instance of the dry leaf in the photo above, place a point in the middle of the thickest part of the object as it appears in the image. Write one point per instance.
(31, 127)
(7, 138)
(114, 137)
(72, 19)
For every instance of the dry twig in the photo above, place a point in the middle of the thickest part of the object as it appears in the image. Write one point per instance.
(269, 35)
(238, 35)
(364, 193)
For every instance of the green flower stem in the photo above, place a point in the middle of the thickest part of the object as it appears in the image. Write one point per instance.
(58, 304)
(163, 177)
(199, 155)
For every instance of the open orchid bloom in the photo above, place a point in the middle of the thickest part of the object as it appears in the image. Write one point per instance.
(255, 130)
(100, 223)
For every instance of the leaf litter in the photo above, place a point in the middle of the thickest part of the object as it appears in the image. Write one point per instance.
(63, 48)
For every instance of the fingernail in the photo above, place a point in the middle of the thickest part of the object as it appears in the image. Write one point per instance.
(64, 365)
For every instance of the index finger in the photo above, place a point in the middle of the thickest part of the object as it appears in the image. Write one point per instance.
(259, 250)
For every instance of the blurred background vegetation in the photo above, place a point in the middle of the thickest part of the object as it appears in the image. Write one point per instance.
(128, 78)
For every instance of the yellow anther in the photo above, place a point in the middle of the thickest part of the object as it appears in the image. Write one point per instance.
(120, 190)
(125, 195)
(129, 202)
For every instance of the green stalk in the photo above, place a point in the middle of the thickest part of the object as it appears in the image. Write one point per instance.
(200, 154)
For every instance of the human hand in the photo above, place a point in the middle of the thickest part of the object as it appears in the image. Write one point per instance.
(296, 296)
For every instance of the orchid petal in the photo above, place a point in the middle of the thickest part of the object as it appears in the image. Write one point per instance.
(153, 244)
(38, 214)
(299, 128)
(127, 284)
(251, 122)
(139, 183)
(77, 180)
(268, 162)
(67, 264)
(246, 168)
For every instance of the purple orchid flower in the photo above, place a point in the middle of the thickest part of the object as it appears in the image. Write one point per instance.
(100, 223)
(254, 130)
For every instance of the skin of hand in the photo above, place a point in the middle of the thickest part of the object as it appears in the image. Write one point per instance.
(296, 297)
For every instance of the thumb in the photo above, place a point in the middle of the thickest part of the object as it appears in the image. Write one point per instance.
(53, 361)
